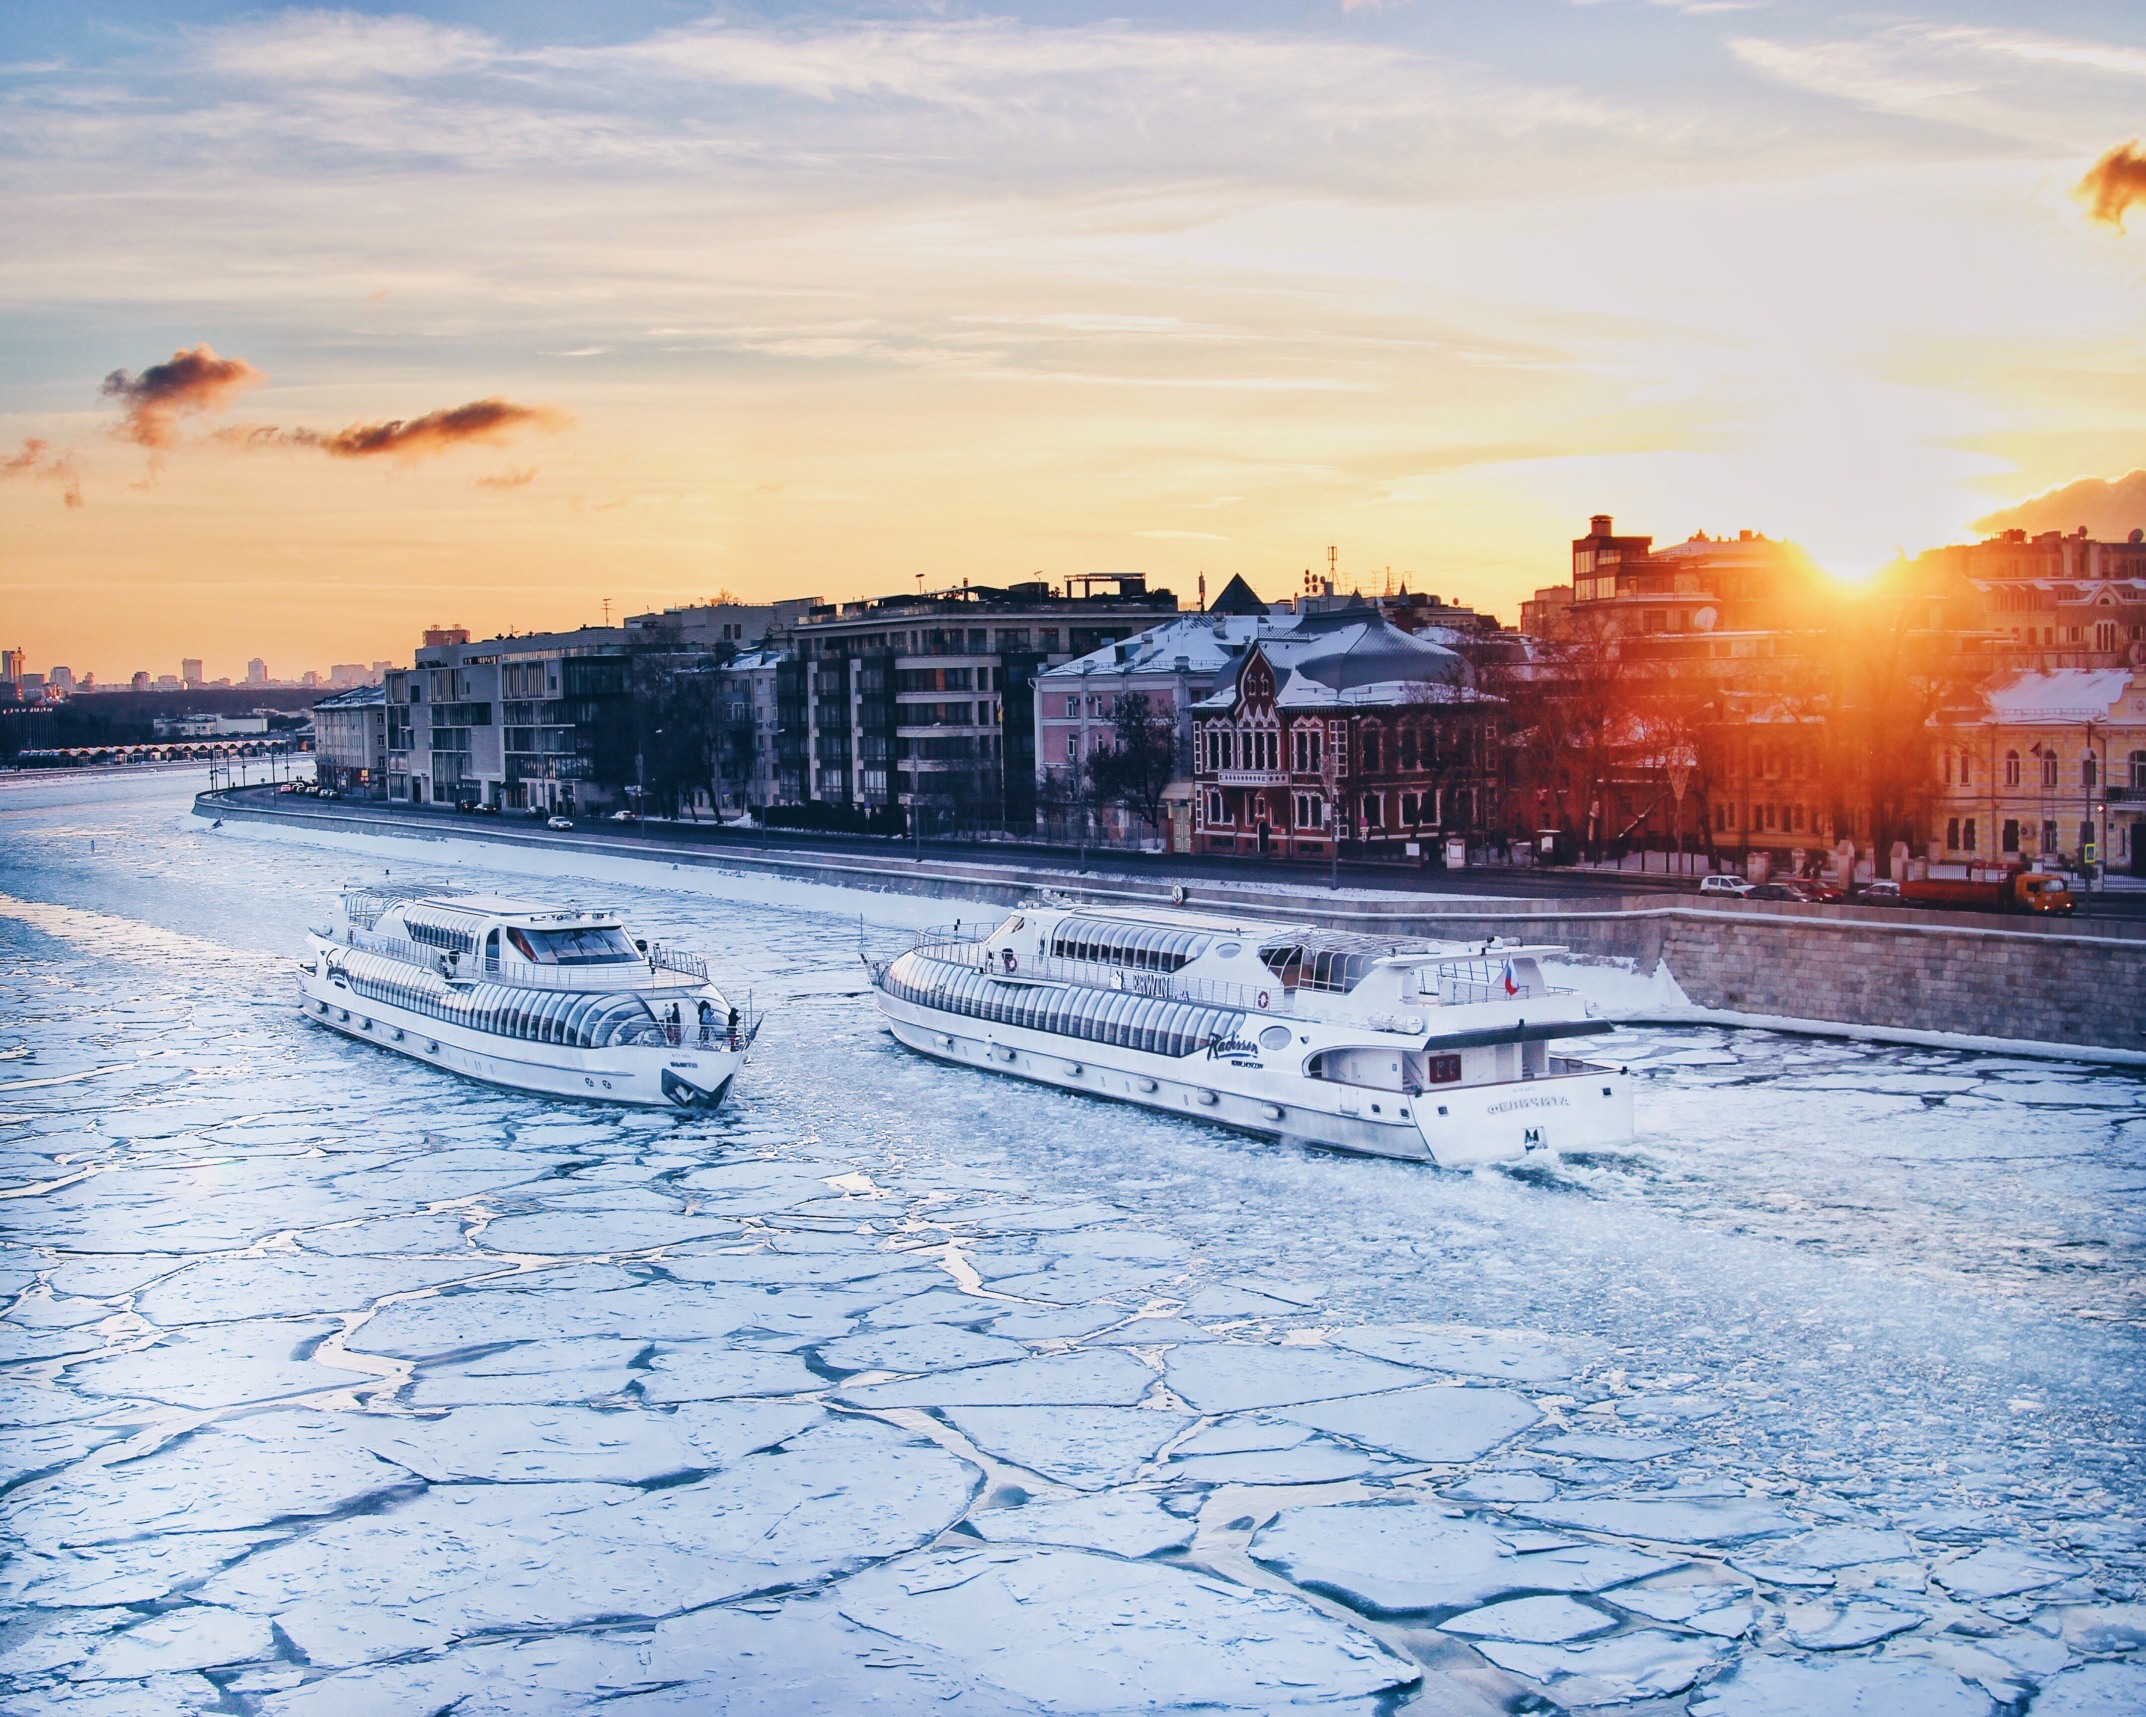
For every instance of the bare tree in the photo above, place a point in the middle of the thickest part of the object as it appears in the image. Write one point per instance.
(1141, 761)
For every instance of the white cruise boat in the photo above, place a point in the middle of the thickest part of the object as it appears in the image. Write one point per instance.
(549, 999)
(1427, 1051)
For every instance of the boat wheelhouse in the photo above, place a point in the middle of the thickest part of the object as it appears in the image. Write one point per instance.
(553, 999)
(1438, 1051)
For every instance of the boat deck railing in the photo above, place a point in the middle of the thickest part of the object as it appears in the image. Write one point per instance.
(659, 969)
(1454, 982)
(1483, 979)
(951, 945)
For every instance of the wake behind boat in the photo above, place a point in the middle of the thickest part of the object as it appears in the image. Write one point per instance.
(1438, 1051)
(555, 1000)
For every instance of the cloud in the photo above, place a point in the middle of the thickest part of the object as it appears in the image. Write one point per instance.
(37, 459)
(195, 380)
(489, 421)
(344, 47)
(514, 477)
(2110, 509)
(2114, 183)
(483, 422)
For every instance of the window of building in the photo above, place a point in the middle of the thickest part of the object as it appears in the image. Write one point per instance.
(1408, 808)
(2011, 779)
(1948, 769)
(1371, 748)
(2105, 635)
(1072, 748)
(1374, 810)
(1218, 809)
(1952, 834)
(2049, 837)
(1305, 748)
(1310, 811)
(2049, 769)
(1407, 739)
(2138, 768)
(1967, 769)
(2011, 834)
(1968, 843)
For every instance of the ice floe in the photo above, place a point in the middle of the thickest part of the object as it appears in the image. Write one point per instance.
(1073, 1631)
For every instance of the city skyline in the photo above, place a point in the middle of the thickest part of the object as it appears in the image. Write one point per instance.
(442, 313)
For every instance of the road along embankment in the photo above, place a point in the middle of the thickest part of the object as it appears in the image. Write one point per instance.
(1969, 980)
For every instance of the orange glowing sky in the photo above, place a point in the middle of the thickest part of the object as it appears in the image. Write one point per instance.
(798, 303)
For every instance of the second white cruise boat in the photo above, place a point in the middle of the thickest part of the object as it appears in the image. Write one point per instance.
(542, 998)
(1425, 1050)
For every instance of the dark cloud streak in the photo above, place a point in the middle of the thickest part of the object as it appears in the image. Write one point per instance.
(482, 422)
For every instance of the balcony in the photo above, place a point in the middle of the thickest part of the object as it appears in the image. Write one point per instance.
(1251, 777)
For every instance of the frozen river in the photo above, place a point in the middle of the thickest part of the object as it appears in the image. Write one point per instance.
(333, 1384)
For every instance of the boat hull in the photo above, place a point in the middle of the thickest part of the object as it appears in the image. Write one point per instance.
(688, 1077)
(1453, 1126)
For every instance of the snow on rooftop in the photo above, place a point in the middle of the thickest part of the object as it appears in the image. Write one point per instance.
(2060, 695)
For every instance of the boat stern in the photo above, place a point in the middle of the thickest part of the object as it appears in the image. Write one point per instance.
(1581, 1108)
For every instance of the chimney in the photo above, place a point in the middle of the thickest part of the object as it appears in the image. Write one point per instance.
(1599, 525)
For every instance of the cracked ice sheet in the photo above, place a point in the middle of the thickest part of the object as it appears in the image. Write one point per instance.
(1765, 1686)
(1646, 1664)
(1085, 1447)
(462, 1559)
(1398, 1557)
(1073, 1631)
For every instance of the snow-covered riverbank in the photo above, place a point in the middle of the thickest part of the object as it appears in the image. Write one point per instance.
(342, 1386)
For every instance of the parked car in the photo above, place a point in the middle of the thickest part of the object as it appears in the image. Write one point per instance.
(558, 822)
(1883, 892)
(1723, 884)
(625, 817)
(1779, 891)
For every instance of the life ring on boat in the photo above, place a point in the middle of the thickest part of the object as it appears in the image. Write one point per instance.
(1013, 960)
(1262, 998)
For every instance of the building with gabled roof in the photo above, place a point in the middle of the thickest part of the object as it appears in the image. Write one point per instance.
(1344, 732)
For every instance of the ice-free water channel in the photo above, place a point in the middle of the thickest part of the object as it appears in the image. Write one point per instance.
(333, 1384)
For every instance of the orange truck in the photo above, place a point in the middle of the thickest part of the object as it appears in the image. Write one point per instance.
(1991, 889)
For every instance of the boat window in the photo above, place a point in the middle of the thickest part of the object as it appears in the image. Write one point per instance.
(1274, 1037)
(582, 946)
(1229, 950)
(1336, 969)
(1286, 961)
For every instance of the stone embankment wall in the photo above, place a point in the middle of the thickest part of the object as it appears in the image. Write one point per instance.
(2077, 985)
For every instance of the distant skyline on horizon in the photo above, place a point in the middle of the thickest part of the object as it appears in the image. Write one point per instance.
(325, 325)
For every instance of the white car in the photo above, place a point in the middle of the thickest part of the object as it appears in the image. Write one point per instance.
(1735, 885)
(559, 822)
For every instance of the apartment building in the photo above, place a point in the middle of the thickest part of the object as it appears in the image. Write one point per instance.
(542, 721)
(929, 700)
(2051, 770)
(2052, 602)
(350, 742)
